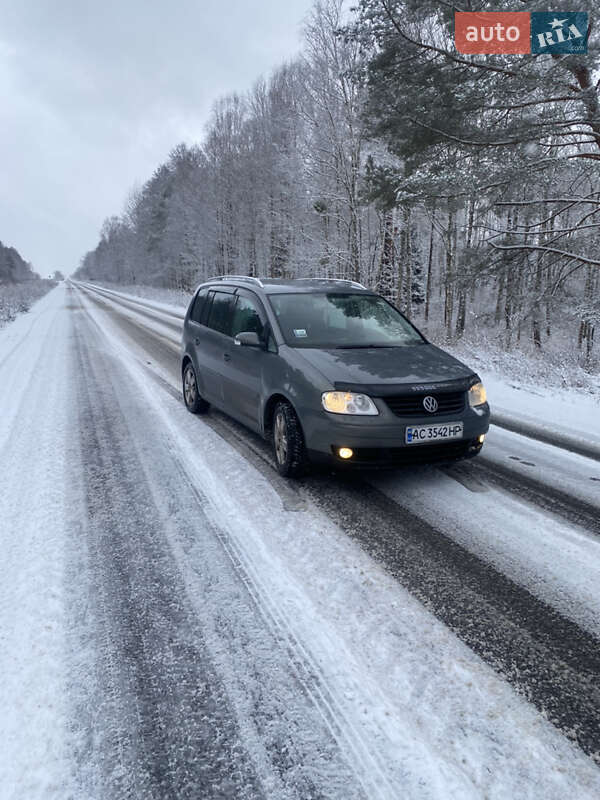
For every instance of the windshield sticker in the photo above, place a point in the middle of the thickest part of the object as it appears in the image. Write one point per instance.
(300, 333)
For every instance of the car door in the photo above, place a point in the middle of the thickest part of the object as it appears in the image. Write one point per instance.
(213, 349)
(194, 332)
(243, 378)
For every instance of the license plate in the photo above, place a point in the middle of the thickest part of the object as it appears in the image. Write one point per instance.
(427, 434)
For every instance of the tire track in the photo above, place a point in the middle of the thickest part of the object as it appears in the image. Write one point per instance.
(547, 658)
(548, 498)
(293, 726)
(159, 706)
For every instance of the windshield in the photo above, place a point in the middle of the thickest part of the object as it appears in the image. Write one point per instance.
(341, 321)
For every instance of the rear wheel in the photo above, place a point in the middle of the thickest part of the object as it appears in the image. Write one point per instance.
(288, 442)
(193, 402)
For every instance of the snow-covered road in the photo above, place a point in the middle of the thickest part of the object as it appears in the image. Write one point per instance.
(178, 621)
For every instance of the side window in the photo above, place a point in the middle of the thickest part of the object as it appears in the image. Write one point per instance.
(246, 317)
(199, 304)
(219, 318)
(207, 307)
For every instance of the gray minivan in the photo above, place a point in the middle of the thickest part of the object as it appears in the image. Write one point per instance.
(329, 372)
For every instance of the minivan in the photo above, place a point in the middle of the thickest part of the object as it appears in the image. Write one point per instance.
(330, 372)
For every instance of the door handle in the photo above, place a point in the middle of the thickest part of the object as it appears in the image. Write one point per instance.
(226, 357)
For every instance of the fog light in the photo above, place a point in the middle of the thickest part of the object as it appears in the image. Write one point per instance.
(481, 438)
(345, 452)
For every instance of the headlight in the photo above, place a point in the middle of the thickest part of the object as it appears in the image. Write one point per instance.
(348, 403)
(477, 395)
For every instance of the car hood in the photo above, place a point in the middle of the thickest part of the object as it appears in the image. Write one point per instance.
(384, 370)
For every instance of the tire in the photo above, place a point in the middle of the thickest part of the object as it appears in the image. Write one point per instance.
(191, 397)
(288, 442)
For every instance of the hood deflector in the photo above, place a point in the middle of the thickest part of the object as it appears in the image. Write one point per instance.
(387, 389)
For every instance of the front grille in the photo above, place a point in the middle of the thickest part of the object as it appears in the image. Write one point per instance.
(411, 405)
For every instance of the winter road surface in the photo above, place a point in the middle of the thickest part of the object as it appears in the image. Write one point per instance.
(176, 621)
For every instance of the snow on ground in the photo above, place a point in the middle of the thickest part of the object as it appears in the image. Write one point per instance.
(422, 716)
(18, 298)
(36, 405)
(419, 707)
(538, 392)
(168, 299)
(557, 562)
(571, 473)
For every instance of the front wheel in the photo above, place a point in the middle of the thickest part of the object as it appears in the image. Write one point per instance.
(288, 442)
(193, 402)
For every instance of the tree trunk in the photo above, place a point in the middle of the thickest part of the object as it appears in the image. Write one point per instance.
(385, 282)
(408, 276)
(429, 265)
(461, 317)
(449, 277)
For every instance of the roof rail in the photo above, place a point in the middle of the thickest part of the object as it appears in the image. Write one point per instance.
(355, 284)
(248, 278)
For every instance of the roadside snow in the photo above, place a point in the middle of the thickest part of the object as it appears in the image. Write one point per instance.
(562, 410)
(535, 392)
(35, 406)
(18, 298)
(161, 299)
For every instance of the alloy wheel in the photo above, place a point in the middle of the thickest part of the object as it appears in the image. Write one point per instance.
(281, 438)
(189, 387)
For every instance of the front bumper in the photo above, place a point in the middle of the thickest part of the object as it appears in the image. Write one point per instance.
(380, 440)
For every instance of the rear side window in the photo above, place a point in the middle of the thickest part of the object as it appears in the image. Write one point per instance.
(246, 318)
(219, 318)
(198, 307)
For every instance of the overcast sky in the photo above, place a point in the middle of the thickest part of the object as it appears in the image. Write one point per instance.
(93, 96)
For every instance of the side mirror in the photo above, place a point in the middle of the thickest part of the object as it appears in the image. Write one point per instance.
(248, 338)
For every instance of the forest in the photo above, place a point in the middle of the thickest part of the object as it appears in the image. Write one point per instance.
(463, 188)
(20, 286)
(13, 268)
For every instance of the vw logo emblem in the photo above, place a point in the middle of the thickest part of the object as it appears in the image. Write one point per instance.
(430, 404)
